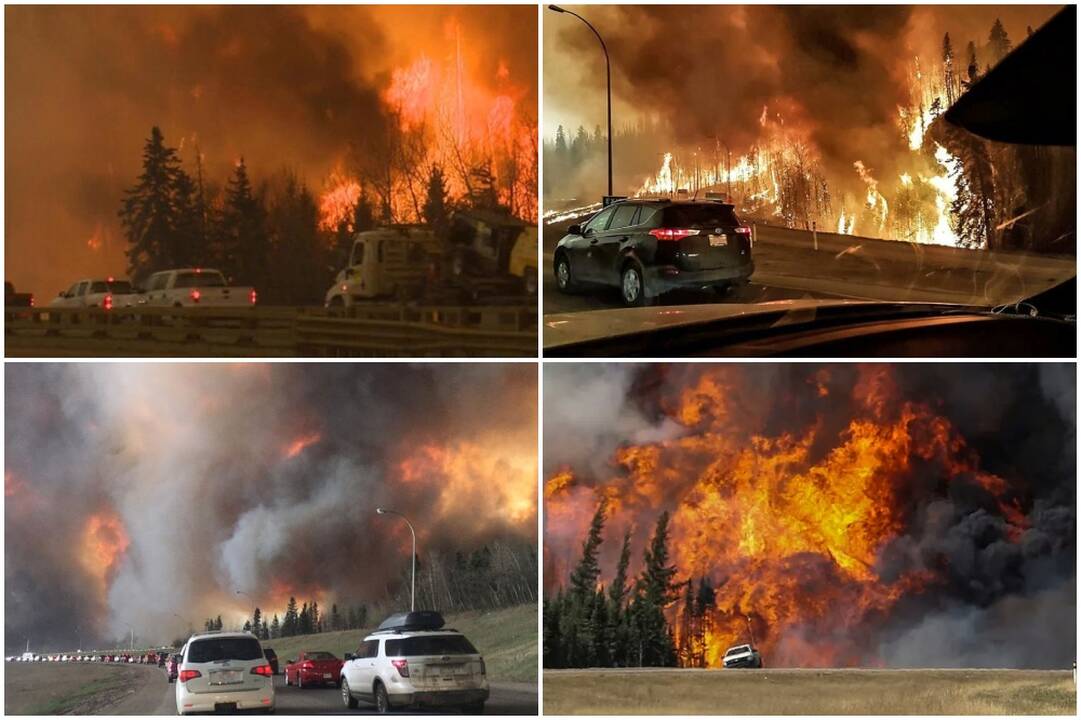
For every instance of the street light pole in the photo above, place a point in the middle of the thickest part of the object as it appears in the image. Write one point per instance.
(608, 74)
(251, 600)
(413, 579)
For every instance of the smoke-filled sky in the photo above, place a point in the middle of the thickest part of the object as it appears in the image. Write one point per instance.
(135, 491)
(283, 86)
(838, 73)
(914, 515)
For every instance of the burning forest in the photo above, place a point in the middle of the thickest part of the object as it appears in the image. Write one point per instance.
(145, 498)
(280, 131)
(834, 516)
(823, 118)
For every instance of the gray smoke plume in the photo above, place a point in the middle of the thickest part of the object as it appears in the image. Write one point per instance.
(254, 478)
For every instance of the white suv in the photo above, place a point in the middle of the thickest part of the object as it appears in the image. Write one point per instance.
(411, 661)
(223, 671)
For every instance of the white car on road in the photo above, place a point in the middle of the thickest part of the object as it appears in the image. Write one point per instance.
(224, 672)
(196, 287)
(105, 293)
(411, 661)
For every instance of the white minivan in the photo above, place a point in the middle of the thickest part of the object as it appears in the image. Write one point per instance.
(224, 672)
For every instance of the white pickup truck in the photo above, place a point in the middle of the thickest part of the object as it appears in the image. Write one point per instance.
(90, 293)
(195, 287)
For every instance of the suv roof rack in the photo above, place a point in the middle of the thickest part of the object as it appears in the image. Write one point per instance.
(418, 620)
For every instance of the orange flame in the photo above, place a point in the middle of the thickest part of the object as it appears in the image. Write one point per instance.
(301, 443)
(104, 542)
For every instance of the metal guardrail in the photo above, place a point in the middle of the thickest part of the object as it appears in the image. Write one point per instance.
(366, 330)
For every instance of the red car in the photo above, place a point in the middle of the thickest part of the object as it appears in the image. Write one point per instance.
(313, 667)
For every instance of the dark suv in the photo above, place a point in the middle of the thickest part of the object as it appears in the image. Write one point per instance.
(647, 247)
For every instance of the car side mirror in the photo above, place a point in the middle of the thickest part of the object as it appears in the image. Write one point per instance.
(350, 656)
(575, 229)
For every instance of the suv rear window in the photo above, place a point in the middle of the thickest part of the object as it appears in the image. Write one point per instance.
(214, 649)
(430, 645)
(700, 215)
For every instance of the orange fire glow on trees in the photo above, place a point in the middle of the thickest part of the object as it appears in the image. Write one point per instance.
(473, 125)
(788, 527)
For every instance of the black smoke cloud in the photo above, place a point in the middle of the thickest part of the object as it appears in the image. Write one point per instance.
(194, 461)
(998, 601)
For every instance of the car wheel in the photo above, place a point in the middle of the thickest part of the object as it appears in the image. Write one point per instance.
(347, 697)
(632, 286)
(382, 702)
(564, 276)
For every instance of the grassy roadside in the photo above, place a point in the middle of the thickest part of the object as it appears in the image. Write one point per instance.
(507, 638)
(36, 689)
(809, 692)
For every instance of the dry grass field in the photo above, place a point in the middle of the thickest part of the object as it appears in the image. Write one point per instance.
(809, 692)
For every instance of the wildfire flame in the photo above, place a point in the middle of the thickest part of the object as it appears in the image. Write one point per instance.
(104, 542)
(447, 117)
(301, 443)
(790, 527)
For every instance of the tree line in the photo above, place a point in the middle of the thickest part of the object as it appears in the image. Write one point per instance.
(623, 625)
(495, 575)
(266, 234)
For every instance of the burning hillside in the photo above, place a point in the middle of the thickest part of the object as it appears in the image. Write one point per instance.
(808, 117)
(147, 496)
(840, 516)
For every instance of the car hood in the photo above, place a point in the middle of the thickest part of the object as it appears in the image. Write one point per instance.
(569, 328)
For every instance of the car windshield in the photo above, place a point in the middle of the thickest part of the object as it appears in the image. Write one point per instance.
(738, 649)
(225, 648)
(211, 278)
(430, 645)
(320, 656)
(917, 205)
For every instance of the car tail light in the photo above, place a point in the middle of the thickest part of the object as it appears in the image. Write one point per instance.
(31, 301)
(402, 666)
(743, 230)
(671, 234)
(264, 670)
(307, 665)
(108, 302)
(186, 675)
(253, 296)
(195, 295)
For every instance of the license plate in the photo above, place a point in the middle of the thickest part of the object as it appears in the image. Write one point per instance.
(718, 240)
(327, 676)
(226, 677)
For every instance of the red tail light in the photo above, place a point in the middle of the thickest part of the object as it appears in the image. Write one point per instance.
(264, 670)
(31, 301)
(195, 295)
(672, 234)
(307, 665)
(403, 667)
(186, 675)
(253, 296)
(108, 302)
(743, 230)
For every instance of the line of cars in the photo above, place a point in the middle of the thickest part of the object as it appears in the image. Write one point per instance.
(150, 657)
(184, 287)
(410, 661)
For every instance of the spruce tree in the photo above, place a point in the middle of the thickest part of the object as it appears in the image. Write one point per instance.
(585, 574)
(998, 42)
(435, 210)
(275, 627)
(148, 212)
(242, 231)
(289, 624)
